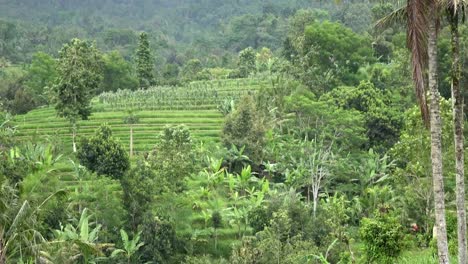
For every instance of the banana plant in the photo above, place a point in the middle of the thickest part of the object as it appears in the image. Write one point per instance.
(244, 179)
(79, 242)
(131, 247)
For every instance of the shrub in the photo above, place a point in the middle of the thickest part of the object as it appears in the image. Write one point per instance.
(246, 62)
(103, 154)
(159, 238)
(138, 193)
(173, 157)
(382, 237)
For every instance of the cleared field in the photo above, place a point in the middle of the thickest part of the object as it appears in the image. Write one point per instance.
(194, 105)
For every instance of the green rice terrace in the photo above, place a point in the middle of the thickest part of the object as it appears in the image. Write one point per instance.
(195, 105)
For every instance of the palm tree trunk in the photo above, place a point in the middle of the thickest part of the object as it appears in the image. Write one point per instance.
(457, 99)
(436, 142)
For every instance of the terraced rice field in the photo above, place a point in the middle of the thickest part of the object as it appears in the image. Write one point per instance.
(194, 105)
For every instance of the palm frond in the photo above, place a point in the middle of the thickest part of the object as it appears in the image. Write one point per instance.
(415, 15)
(399, 15)
(457, 6)
(417, 43)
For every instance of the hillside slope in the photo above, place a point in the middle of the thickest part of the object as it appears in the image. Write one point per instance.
(194, 105)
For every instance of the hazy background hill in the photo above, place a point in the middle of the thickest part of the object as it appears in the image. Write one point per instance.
(178, 29)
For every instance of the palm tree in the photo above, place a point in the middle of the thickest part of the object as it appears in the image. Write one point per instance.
(454, 8)
(436, 133)
(422, 16)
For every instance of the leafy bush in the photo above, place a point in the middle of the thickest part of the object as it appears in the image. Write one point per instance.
(382, 237)
(247, 62)
(173, 157)
(103, 154)
(138, 193)
(159, 238)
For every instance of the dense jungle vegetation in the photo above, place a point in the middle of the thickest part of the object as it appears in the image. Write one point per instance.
(245, 132)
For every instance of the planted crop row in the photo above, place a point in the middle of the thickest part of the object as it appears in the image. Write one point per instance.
(197, 94)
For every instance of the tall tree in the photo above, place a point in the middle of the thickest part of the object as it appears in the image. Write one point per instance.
(80, 73)
(246, 62)
(422, 21)
(436, 133)
(454, 8)
(144, 62)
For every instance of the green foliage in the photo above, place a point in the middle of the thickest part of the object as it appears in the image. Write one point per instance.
(121, 39)
(324, 121)
(169, 75)
(226, 107)
(192, 71)
(383, 46)
(173, 157)
(243, 128)
(80, 73)
(144, 61)
(246, 65)
(12, 167)
(103, 154)
(160, 241)
(42, 73)
(382, 237)
(216, 220)
(357, 17)
(263, 59)
(332, 55)
(77, 244)
(138, 192)
(383, 122)
(303, 156)
(19, 223)
(101, 195)
(131, 247)
(15, 96)
(413, 166)
(267, 248)
(205, 259)
(7, 131)
(131, 118)
(118, 73)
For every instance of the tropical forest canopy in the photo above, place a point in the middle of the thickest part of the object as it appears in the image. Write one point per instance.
(203, 131)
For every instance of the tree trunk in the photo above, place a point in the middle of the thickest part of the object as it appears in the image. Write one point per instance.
(436, 143)
(457, 100)
(74, 137)
(131, 141)
(315, 200)
(216, 239)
